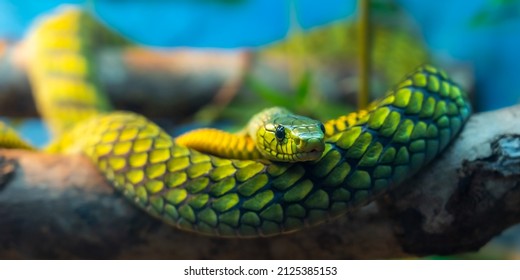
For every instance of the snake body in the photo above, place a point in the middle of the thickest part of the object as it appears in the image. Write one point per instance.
(364, 154)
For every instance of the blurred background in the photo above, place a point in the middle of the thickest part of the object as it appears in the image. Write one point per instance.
(190, 63)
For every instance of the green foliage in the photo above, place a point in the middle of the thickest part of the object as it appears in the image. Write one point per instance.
(273, 96)
(303, 99)
(394, 50)
(290, 100)
(303, 88)
(496, 12)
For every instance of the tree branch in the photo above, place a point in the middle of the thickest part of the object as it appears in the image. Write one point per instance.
(60, 207)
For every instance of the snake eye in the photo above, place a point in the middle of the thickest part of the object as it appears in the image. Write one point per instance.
(280, 133)
(322, 127)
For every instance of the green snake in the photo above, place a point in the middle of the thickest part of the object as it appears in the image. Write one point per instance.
(364, 153)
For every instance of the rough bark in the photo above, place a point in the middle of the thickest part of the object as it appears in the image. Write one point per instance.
(61, 207)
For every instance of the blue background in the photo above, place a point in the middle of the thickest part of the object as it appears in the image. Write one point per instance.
(491, 48)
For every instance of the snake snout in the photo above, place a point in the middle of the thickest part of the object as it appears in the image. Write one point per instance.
(312, 145)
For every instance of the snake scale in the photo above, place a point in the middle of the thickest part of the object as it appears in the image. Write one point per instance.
(365, 153)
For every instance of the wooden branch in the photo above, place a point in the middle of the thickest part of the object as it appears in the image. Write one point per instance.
(61, 207)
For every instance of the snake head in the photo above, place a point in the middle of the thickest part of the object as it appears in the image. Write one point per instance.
(291, 138)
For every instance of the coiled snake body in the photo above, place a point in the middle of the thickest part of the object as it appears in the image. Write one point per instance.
(364, 153)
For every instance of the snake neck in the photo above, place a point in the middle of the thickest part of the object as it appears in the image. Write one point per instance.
(220, 143)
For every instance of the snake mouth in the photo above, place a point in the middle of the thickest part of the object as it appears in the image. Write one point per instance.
(313, 154)
(310, 150)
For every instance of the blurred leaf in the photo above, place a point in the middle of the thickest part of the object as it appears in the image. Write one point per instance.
(326, 110)
(384, 6)
(275, 97)
(496, 12)
(394, 50)
(303, 88)
(503, 2)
